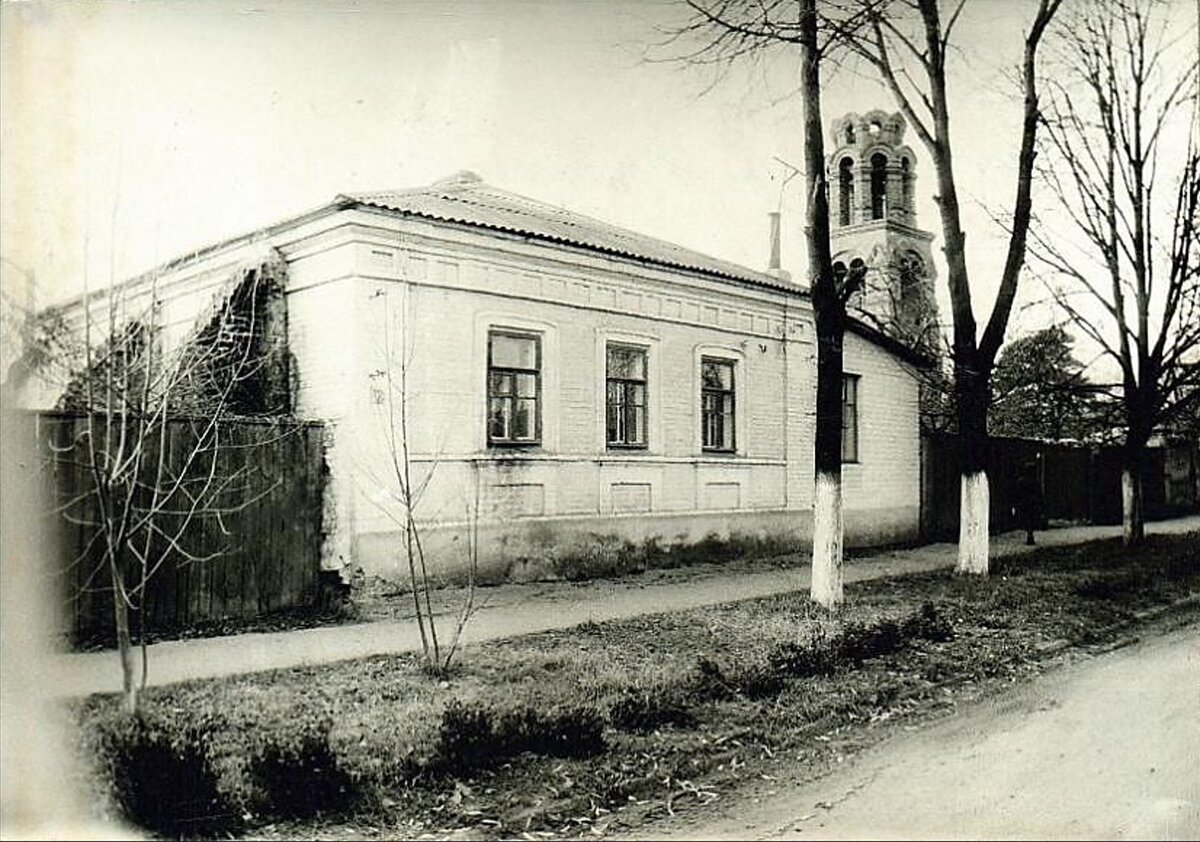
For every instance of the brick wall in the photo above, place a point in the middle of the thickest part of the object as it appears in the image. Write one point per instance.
(419, 302)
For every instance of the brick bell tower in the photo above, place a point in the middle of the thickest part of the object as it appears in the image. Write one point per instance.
(872, 179)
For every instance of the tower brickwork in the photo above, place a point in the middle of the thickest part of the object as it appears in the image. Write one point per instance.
(872, 180)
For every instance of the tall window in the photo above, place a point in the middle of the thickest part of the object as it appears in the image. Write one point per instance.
(626, 390)
(906, 186)
(717, 398)
(845, 191)
(514, 388)
(878, 185)
(849, 417)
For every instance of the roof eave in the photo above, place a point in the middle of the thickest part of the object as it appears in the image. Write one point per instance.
(348, 202)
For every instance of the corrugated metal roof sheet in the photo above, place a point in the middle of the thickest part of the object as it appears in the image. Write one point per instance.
(466, 199)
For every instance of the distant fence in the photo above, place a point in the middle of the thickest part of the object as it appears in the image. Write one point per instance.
(1078, 483)
(256, 550)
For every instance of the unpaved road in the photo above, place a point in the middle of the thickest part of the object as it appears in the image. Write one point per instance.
(1106, 748)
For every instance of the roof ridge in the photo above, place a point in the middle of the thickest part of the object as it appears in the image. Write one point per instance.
(467, 199)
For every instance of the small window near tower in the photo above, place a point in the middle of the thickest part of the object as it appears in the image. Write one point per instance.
(878, 185)
(850, 133)
(845, 191)
(906, 185)
(849, 417)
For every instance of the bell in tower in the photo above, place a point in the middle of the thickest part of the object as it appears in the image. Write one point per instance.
(872, 175)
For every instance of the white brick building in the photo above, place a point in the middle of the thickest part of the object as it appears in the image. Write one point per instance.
(568, 384)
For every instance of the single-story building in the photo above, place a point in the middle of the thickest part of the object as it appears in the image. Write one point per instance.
(549, 385)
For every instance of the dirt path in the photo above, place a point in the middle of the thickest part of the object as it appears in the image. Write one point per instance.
(1107, 748)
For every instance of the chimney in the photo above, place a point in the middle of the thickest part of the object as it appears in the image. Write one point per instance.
(773, 266)
(774, 269)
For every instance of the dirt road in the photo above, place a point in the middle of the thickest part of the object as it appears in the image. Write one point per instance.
(1106, 748)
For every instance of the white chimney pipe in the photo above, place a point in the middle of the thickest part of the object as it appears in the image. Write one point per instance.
(773, 265)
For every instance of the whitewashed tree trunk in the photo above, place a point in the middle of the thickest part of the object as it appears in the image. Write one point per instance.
(827, 541)
(1133, 527)
(973, 524)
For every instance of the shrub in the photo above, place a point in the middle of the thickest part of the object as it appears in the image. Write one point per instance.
(294, 773)
(161, 777)
(759, 680)
(805, 660)
(1097, 587)
(560, 731)
(467, 738)
(928, 624)
(474, 735)
(862, 643)
(641, 708)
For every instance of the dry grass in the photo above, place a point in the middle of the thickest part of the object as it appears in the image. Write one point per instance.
(603, 725)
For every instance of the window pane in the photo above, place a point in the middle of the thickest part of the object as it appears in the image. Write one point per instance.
(635, 393)
(526, 385)
(711, 375)
(636, 433)
(613, 424)
(523, 423)
(498, 418)
(849, 437)
(514, 351)
(717, 374)
(501, 384)
(626, 363)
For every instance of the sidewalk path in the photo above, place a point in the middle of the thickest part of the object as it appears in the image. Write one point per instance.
(511, 610)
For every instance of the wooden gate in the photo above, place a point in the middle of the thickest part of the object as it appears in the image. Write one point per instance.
(253, 549)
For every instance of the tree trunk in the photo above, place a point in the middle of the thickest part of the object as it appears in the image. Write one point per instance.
(829, 313)
(827, 589)
(975, 503)
(1133, 523)
(129, 687)
(1133, 477)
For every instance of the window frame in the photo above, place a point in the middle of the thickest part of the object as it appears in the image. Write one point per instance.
(624, 384)
(850, 386)
(512, 333)
(731, 412)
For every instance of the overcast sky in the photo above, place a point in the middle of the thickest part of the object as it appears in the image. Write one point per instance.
(133, 132)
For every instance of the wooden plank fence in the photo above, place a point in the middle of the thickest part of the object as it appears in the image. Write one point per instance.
(1079, 483)
(255, 551)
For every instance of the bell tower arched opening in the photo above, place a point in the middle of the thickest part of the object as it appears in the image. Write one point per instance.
(878, 185)
(845, 191)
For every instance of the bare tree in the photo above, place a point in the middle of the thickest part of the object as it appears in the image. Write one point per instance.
(150, 484)
(1123, 91)
(720, 33)
(406, 487)
(908, 43)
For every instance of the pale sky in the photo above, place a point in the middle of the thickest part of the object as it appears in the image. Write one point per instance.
(133, 132)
